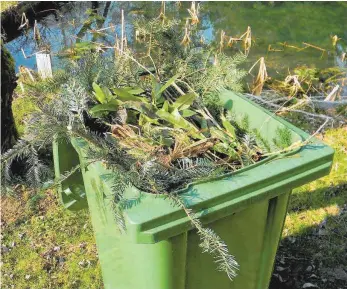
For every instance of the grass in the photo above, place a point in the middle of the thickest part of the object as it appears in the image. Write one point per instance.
(311, 203)
(45, 246)
(55, 248)
(315, 231)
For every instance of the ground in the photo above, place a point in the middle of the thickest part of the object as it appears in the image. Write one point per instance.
(313, 249)
(45, 246)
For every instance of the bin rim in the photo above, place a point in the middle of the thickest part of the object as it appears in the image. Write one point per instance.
(155, 219)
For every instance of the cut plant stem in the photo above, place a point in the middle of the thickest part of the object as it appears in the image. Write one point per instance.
(285, 44)
(315, 47)
(193, 12)
(247, 41)
(221, 43)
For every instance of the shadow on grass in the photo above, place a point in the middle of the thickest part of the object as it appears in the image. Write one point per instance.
(319, 198)
(314, 252)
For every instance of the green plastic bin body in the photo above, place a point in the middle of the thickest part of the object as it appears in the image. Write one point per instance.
(160, 249)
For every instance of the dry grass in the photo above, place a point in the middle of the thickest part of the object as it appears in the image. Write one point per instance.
(261, 78)
(194, 13)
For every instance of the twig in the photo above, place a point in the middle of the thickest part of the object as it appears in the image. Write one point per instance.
(25, 56)
(332, 95)
(125, 54)
(314, 46)
(293, 110)
(272, 115)
(284, 44)
(223, 161)
(102, 29)
(274, 49)
(295, 258)
(29, 73)
(299, 103)
(155, 67)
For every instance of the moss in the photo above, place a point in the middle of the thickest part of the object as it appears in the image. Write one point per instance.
(22, 107)
(26, 102)
(5, 5)
(54, 248)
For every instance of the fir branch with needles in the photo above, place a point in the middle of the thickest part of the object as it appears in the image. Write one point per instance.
(210, 242)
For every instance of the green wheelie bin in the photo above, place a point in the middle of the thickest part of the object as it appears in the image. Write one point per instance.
(159, 248)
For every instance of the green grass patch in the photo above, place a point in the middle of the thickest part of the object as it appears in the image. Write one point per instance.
(47, 246)
(314, 240)
(311, 203)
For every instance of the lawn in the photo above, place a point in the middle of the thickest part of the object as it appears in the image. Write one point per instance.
(45, 246)
(313, 249)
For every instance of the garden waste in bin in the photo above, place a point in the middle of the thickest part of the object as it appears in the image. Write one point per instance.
(159, 249)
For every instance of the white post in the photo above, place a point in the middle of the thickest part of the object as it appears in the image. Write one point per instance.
(122, 34)
(44, 66)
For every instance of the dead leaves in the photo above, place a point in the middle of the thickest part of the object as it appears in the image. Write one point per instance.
(137, 145)
(197, 148)
(194, 13)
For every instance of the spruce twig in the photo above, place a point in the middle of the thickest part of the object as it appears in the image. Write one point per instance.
(210, 241)
(298, 144)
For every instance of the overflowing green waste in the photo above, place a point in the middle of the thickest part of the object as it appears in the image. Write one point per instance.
(159, 249)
